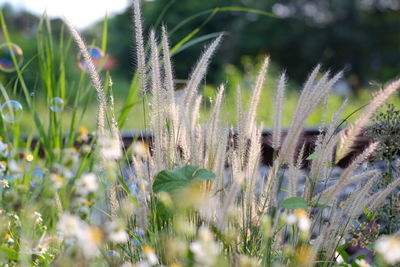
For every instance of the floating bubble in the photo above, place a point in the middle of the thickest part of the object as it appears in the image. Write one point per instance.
(7, 50)
(37, 177)
(138, 188)
(56, 104)
(11, 111)
(96, 55)
(135, 241)
(113, 255)
(139, 233)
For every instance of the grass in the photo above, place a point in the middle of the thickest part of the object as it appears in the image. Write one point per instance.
(191, 199)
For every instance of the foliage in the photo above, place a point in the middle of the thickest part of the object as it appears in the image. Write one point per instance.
(197, 196)
(170, 181)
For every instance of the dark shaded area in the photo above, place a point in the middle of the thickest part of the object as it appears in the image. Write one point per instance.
(308, 138)
(360, 36)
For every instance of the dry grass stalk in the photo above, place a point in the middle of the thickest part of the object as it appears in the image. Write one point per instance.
(347, 136)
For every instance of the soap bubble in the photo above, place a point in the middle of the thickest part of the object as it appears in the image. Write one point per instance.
(56, 104)
(96, 55)
(113, 255)
(37, 177)
(6, 52)
(11, 111)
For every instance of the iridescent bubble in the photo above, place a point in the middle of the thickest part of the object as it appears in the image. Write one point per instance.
(11, 111)
(138, 188)
(139, 233)
(113, 255)
(37, 177)
(96, 55)
(56, 104)
(7, 50)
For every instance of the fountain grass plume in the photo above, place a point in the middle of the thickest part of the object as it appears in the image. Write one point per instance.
(348, 135)
(94, 76)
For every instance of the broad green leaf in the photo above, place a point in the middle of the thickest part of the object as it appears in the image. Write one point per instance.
(9, 253)
(295, 203)
(170, 180)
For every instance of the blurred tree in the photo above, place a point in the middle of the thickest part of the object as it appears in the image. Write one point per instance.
(360, 36)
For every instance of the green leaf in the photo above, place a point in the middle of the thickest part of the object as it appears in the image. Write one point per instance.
(295, 203)
(368, 214)
(170, 180)
(9, 253)
(312, 156)
(342, 252)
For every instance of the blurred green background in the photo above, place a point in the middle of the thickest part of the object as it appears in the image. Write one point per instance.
(360, 37)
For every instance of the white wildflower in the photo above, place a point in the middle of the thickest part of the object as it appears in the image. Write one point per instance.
(339, 258)
(4, 183)
(87, 184)
(116, 233)
(110, 148)
(291, 219)
(150, 255)
(3, 166)
(389, 248)
(3, 149)
(14, 167)
(362, 263)
(57, 179)
(301, 218)
(205, 250)
(13, 215)
(9, 238)
(40, 250)
(70, 226)
(140, 149)
(38, 216)
(90, 240)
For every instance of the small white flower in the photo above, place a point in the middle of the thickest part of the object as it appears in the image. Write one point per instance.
(205, 249)
(301, 218)
(87, 184)
(14, 167)
(3, 167)
(15, 216)
(40, 250)
(38, 216)
(389, 248)
(339, 258)
(362, 263)
(9, 238)
(3, 149)
(150, 255)
(57, 179)
(69, 226)
(304, 224)
(140, 149)
(110, 148)
(291, 219)
(116, 233)
(90, 240)
(118, 237)
(4, 183)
